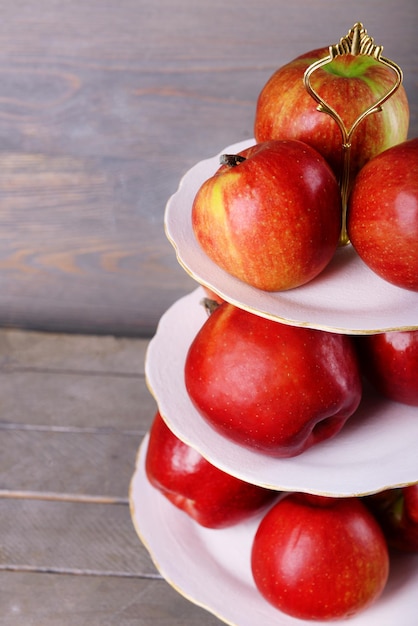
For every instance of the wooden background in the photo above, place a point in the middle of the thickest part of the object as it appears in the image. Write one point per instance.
(104, 105)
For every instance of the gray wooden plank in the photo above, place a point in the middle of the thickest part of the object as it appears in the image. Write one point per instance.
(73, 381)
(96, 464)
(75, 400)
(24, 350)
(71, 537)
(68, 447)
(42, 599)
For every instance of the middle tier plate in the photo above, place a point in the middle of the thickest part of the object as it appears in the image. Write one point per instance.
(375, 450)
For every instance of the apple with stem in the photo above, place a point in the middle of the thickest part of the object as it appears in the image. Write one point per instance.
(389, 361)
(382, 218)
(396, 510)
(350, 83)
(270, 215)
(269, 386)
(210, 496)
(319, 558)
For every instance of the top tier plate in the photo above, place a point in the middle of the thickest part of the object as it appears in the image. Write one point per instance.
(347, 297)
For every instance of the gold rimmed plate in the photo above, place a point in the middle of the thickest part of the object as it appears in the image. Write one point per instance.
(346, 297)
(211, 568)
(376, 449)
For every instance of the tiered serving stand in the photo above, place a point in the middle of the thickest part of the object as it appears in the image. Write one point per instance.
(377, 449)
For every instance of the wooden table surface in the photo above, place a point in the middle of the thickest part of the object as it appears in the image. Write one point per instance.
(103, 107)
(74, 411)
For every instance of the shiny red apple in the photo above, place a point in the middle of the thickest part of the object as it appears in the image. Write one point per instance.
(350, 84)
(397, 513)
(270, 216)
(318, 558)
(382, 217)
(390, 362)
(211, 497)
(270, 386)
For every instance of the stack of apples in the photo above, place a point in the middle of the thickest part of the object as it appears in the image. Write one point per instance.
(273, 216)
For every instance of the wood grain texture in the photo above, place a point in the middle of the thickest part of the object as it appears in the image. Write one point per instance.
(85, 408)
(90, 464)
(72, 537)
(90, 383)
(57, 599)
(60, 401)
(73, 411)
(103, 107)
(61, 353)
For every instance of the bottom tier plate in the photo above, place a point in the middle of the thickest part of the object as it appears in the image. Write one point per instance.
(211, 568)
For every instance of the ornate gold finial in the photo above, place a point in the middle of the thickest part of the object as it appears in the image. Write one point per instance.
(357, 41)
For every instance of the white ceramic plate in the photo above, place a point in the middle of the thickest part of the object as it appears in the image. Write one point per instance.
(377, 447)
(212, 567)
(347, 296)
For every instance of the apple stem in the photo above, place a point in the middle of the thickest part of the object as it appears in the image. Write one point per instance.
(210, 305)
(232, 160)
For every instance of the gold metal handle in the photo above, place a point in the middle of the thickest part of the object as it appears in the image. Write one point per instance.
(356, 42)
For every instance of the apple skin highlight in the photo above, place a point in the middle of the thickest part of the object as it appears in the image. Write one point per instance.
(211, 497)
(382, 217)
(272, 220)
(272, 387)
(318, 558)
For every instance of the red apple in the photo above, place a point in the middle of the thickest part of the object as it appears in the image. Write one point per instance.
(382, 217)
(396, 511)
(390, 362)
(318, 558)
(272, 216)
(350, 84)
(208, 495)
(270, 386)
